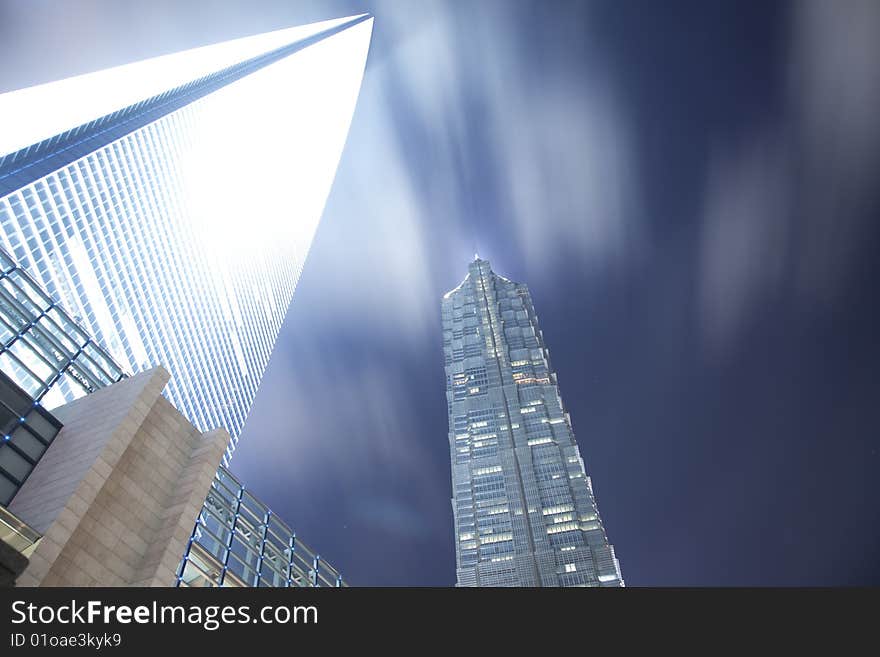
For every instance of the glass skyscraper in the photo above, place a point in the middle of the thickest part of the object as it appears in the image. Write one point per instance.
(170, 204)
(525, 514)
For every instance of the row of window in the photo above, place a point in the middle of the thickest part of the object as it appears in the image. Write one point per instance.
(242, 543)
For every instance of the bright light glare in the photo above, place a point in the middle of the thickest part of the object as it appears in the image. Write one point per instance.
(31, 115)
(286, 149)
(215, 207)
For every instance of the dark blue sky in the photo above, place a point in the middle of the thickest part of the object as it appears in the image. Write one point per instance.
(689, 189)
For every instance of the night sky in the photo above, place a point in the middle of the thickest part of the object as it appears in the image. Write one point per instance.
(690, 189)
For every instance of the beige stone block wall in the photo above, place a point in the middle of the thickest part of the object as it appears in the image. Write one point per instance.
(118, 491)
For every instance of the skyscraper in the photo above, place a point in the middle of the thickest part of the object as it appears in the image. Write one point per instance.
(525, 514)
(170, 204)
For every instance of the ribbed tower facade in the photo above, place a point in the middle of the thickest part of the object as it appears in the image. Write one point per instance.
(169, 204)
(524, 509)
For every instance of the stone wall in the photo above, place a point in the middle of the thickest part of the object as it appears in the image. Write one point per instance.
(117, 493)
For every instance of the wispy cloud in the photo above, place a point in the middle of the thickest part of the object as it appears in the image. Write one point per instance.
(461, 142)
(786, 207)
(744, 253)
(835, 93)
(561, 144)
(328, 394)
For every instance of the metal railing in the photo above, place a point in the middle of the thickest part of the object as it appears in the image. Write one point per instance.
(18, 534)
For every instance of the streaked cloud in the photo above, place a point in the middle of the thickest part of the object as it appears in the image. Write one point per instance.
(786, 206)
(326, 395)
(744, 254)
(835, 96)
(461, 143)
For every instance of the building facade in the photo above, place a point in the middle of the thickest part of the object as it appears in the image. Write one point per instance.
(104, 490)
(171, 205)
(112, 497)
(239, 541)
(111, 501)
(43, 348)
(44, 354)
(523, 505)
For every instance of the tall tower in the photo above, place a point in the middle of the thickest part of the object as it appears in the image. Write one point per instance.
(524, 509)
(170, 203)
